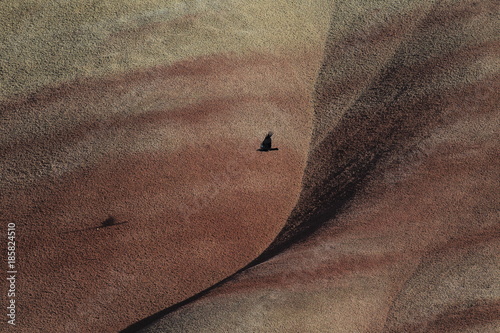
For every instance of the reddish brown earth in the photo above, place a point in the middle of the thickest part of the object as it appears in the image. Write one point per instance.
(379, 212)
(396, 228)
(171, 151)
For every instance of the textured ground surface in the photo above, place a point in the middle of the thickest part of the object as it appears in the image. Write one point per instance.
(151, 113)
(402, 179)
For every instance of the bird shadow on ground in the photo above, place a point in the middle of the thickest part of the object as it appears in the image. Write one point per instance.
(109, 222)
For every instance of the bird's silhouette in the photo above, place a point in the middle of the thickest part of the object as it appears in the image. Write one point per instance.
(266, 145)
(108, 222)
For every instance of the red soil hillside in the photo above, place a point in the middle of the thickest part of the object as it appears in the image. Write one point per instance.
(396, 228)
(199, 200)
(128, 140)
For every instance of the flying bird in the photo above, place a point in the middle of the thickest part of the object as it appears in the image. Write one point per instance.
(266, 144)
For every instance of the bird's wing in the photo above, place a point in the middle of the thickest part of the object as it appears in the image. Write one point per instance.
(266, 144)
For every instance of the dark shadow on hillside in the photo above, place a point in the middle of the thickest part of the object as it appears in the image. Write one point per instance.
(386, 117)
(109, 222)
